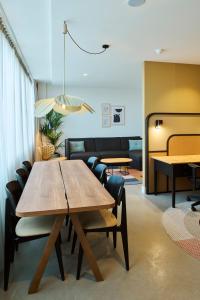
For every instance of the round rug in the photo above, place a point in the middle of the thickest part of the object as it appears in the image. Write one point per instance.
(182, 225)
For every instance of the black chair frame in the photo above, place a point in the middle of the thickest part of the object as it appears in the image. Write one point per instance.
(195, 185)
(12, 240)
(122, 228)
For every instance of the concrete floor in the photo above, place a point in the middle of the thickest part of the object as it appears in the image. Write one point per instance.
(159, 268)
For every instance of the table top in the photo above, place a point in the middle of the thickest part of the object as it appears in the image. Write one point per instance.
(61, 187)
(44, 192)
(84, 191)
(178, 159)
(116, 160)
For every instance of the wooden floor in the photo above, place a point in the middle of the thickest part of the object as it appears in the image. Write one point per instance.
(136, 173)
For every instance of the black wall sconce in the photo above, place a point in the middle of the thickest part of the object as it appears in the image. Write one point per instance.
(158, 123)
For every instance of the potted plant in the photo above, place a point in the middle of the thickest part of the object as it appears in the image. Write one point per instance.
(50, 128)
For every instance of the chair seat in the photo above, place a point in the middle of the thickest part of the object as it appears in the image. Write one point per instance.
(32, 226)
(98, 219)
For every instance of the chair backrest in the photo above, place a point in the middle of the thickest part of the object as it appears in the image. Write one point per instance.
(100, 172)
(115, 186)
(13, 191)
(92, 162)
(22, 177)
(27, 166)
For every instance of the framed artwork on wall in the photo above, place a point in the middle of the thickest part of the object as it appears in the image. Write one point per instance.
(105, 108)
(118, 115)
(106, 121)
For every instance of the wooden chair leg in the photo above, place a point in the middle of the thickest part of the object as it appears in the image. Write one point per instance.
(80, 259)
(59, 257)
(125, 246)
(74, 242)
(70, 231)
(115, 238)
(107, 234)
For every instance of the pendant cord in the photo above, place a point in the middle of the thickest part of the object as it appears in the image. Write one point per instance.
(64, 70)
(105, 47)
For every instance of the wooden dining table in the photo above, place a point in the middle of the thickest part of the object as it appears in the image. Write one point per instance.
(62, 188)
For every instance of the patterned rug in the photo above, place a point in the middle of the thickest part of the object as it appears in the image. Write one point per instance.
(182, 225)
(129, 179)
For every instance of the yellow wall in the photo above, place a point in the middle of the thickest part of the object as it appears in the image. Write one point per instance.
(170, 87)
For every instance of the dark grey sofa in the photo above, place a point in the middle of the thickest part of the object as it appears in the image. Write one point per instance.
(106, 148)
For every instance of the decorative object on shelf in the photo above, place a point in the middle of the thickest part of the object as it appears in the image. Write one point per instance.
(47, 151)
(50, 129)
(158, 124)
(118, 115)
(65, 104)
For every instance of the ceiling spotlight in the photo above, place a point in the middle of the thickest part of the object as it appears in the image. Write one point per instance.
(135, 2)
(85, 74)
(159, 51)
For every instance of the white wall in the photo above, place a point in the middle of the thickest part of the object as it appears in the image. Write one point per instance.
(90, 125)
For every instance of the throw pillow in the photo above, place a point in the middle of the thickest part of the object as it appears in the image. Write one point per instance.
(135, 145)
(77, 146)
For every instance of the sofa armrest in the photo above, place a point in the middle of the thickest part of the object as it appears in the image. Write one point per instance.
(67, 149)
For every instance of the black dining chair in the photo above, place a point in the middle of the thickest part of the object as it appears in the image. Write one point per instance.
(106, 221)
(92, 162)
(20, 230)
(27, 165)
(195, 179)
(100, 172)
(22, 177)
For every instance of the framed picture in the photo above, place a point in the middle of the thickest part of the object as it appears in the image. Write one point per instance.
(105, 108)
(106, 122)
(118, 115)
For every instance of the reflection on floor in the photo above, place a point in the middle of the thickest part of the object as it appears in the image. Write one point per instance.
(159, 269)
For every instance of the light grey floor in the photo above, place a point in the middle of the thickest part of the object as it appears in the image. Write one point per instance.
(159, 268)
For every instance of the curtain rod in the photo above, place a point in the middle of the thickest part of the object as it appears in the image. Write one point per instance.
(3, 29)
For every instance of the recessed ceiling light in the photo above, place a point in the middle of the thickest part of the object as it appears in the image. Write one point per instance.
(136, 2)
(159, 51)
(85, 74)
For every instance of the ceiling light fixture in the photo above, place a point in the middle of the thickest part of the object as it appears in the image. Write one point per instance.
(135, 3)
(85, 74)
(159, 51)
(65, 104)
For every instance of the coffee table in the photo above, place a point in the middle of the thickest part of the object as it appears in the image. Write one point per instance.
(122, 162)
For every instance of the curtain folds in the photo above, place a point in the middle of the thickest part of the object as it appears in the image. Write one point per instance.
(16, 122)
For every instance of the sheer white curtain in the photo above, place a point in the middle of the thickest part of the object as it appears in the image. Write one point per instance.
(16, 122)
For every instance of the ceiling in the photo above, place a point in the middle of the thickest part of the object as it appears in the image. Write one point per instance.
(133, 34)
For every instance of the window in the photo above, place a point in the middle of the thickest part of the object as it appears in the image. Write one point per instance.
(16, 121)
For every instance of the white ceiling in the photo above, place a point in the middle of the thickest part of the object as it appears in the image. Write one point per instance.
(133, 34)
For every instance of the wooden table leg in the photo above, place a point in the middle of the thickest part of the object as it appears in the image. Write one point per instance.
(86, 247)
(47, 252)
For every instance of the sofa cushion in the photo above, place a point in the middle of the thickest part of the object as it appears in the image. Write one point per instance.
(125, 141)
(88, 142)
(77, 146)
(114, 154)
(106, 144)
(83, 155)
(135, 145)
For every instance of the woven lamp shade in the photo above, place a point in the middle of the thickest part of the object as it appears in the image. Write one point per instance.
(47, 151)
